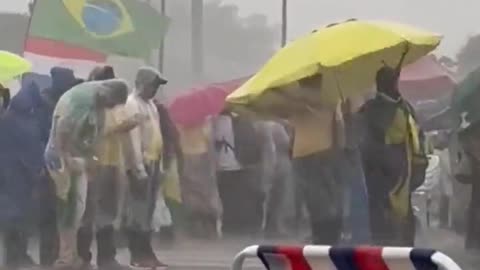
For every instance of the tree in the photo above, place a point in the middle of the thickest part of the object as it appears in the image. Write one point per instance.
(234, 46)
(469, 56)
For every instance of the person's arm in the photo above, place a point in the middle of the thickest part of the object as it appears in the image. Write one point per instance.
(133, 144)
(166, 129)
(123, 122)
(62, 140)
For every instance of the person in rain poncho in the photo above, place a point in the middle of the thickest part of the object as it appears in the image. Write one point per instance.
(316, 147)
(107, 188)
(143, 168)
(238, 157)
(394, 160)
(468, 173)
(277, 177)
(172, 162)
(350, 168)
(198, 181)
(78, 123)
(21, 170)
(51, 89)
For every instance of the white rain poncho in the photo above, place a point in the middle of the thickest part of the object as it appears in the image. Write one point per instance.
(143, 155)
(77, 125)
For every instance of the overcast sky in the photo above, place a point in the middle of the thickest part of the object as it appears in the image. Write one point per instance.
(456, 20)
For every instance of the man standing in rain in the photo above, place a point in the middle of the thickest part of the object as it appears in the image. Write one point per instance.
(61, 80)
(143, 158)
(277, 177)
(394, 160)
(318, 140)
(78, 121)
(107, 186)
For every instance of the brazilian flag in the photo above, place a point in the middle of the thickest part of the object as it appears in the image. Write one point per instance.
(129, 28)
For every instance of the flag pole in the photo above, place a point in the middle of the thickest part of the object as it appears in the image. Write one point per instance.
(31, 8)
(284, 21)
(197, 38)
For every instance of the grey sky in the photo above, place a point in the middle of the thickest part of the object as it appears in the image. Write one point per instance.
(456, 20)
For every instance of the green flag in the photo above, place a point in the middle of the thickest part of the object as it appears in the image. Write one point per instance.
(124, 27)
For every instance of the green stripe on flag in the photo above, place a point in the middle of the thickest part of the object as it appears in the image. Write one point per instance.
(143, 27)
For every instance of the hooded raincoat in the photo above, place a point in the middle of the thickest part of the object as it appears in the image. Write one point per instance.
(21, 158)
(78, 122)
(77, 125)
(143, 155)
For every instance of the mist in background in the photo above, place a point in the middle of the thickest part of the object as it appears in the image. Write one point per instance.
(240, 35)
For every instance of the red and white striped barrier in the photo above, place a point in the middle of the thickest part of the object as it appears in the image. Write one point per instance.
(344, 258)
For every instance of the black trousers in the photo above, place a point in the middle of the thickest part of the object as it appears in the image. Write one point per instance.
(16, 244)
(323, 194)
(48, 228)
(140, 246)
(105, 244)
(242, 202)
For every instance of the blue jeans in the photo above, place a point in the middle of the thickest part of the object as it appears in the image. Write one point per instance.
(356, 208)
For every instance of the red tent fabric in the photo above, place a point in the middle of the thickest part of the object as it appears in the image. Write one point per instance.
(423, 80)
(426, 79)
(193, 108)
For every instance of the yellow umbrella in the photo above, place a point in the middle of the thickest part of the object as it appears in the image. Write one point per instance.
(12, 66)
(347, 55)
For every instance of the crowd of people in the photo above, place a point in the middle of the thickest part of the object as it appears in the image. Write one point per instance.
(81, 160)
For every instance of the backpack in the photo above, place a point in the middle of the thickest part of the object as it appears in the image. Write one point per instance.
(247, 146)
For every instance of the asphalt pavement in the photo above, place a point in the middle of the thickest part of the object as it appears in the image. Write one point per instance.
(219, 254)
(190, 254)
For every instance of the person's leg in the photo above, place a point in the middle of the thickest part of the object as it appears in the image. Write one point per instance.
(133, 237)
(225, 193)
(25, 259)
(141, 250)
(358, 216)
(48, 231)
(323, 199)
(49, 243)
(106, 250)
(273, 208)
(84, 242)
(143, 255)
(68, 255)
(12, 249)
(86, 232)
(299, 198)
(108, 189)
(252, 199)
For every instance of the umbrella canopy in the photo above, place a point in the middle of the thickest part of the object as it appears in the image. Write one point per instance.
(347, 55)
(193, 108)
(12, 66)
(466, 99)
(426, 79)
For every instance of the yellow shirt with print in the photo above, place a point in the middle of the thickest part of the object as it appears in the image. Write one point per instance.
(194, 140)
(313, 133)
